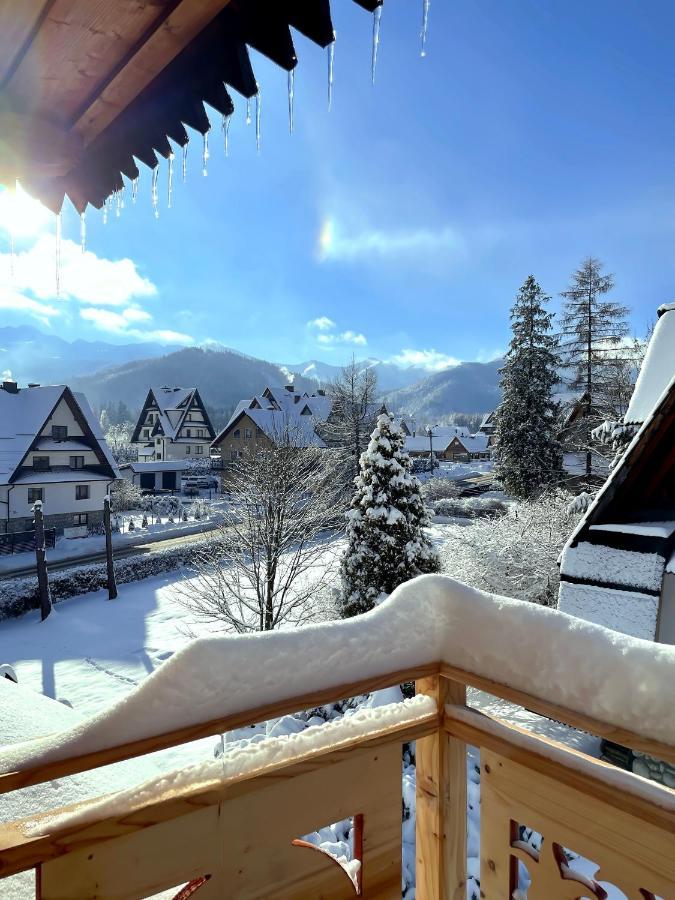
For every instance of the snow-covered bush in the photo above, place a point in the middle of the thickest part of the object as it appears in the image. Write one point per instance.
(125, 495)
(18, 595)
(131, 526)
(144, 521)
(199, 509)
(515, 554)
(439, 489)
(468, 507)
(386, 542)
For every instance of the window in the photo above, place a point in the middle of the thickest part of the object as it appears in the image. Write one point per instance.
(248, 434)
(158, 440)
(237, 432)
(200, 432)
(188, 432)
(35, 494)
(77, 462)
(41, 463)
(81, 519)
(258, 432)
(81, 491)
(146, 433)
(158, 455)
(187, 450)
(199, 449)
(60, 432)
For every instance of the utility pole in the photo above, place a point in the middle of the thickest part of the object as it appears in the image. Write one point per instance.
(430, 434)
(41, 562)
(112, 585)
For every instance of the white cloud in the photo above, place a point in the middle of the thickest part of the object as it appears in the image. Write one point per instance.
(431, 360)
(84, 277)
(12, 300)
(323, 323)
(336, 243)
(119, 322)
(328, 337)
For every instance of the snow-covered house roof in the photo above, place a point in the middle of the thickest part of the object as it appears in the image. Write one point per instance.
(163, 465)
(23, 415)
(283, 413)
(658, 367)
(172, 404)
(633, 514)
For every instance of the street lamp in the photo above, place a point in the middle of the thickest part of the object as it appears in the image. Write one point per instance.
(429, 430)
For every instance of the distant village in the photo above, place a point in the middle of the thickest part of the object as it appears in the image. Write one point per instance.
(55, 451)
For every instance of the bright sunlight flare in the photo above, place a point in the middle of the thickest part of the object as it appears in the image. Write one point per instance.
(21, 215)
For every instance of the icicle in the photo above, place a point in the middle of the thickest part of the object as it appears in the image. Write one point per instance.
(377, 15)
(119, 203)
(83, 231)
(184, 163)
(155, 198)
(331, 59)
(57, 254)
(134, 190)
(169, 181)
(205, 154)
(257, 120)
(105, 211)
(425, 24)
(226, 134)
(291, 98)
(248, 110)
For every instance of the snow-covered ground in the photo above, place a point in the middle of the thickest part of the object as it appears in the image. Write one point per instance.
(458, 470)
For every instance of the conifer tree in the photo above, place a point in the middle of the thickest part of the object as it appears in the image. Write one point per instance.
(528, 454)
(386, 542)
(592, 345)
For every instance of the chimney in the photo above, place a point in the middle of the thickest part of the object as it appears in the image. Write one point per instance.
(297, 398)
(10, 386)
(33, 384)
(321, 393)
(289, 387)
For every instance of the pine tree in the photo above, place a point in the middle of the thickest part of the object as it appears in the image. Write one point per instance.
(528, 453)
(591, 341)
(386, 543)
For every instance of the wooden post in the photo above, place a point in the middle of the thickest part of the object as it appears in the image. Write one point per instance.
(441, 802)
(41, 562)
(112, 585)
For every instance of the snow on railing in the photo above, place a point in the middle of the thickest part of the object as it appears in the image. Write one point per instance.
(218, 683)
(257, 804)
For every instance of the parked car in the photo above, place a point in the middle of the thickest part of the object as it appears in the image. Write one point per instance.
(199, 482)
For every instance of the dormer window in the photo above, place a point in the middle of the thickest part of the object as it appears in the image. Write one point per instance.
(60, 432)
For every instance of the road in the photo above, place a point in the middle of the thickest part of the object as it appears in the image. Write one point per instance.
(59, 565)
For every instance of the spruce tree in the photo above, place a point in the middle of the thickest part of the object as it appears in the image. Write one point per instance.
(592, 345)
(528, 454)
(386, 542)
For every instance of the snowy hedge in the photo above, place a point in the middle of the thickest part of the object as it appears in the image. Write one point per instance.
(18, 595)
(468, 507)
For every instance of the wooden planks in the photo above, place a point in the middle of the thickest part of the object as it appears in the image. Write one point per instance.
(18, 23)
(441, 803)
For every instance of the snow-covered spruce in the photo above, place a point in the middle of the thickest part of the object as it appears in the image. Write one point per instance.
(528, 454)
(386, 542)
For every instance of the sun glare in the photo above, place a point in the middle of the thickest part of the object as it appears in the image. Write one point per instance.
(325, 237)
(21, 215)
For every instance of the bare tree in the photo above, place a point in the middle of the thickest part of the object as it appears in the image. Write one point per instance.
(354, 410)
(268, 555)
(118, 438)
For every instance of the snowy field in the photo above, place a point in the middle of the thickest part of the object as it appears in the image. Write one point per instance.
(92, 652)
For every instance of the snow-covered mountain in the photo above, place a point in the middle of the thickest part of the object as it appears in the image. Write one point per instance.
(390, 377)
(468, 387)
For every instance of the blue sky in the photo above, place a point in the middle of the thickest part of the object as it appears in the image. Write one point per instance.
(401, 223)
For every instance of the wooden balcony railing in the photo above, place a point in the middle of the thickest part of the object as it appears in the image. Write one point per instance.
(231, 829)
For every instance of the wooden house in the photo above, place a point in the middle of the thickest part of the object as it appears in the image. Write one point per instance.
(617, 568)
(173, 425)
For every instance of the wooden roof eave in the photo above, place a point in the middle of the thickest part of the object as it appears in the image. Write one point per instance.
(95, 85)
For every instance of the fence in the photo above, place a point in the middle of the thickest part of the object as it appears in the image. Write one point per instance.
(236, 835)
(21, 541)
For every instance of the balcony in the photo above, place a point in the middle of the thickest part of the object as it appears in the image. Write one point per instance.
(233, 827)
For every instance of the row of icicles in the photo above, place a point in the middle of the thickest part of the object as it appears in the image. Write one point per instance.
(116, 199)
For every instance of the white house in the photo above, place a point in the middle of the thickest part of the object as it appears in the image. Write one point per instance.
(173, 425)
(450, 442)
(51, 449)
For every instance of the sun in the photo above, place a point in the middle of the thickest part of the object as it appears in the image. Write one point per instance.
(21, 215)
